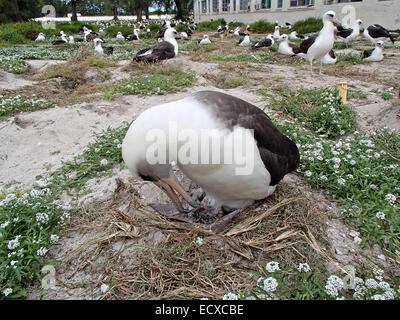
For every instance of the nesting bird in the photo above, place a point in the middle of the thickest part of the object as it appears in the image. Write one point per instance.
(295, 36)
(205, 40)
(375, 54)
(269, 154)
(276, 34)
(287, 48)
(166, 49)
(244, 41)
(268, 41)
(329, 58)
(40, 37)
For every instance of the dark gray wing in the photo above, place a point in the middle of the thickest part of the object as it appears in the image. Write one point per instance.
(345, 33)
(367, 53)
(161, 51)
(306, 44)
(295, 48)
(377, 31)
(278, 153)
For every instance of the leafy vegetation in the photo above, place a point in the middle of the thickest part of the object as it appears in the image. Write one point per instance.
(320, 110)
(262, 26)
(10, 106)
(308, 25)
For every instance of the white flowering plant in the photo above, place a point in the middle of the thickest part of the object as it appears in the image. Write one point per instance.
(362, 173)
(305, 282)
(320, 110)
(16, 104)
(29, 221)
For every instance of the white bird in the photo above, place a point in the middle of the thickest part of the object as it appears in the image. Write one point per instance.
(287, 48)
(268, 41)
(237, 125)
(376, 32)
(329, 58)
(244, 41)
(236, 31)
(97, 46)
(317, 46)
(71, 39)
(166, 49)
(40, 37)
(205, 40)
(184, 35)
(276, 34)
(295, 36)
(375, 54)
(351, 34)
(120, 36)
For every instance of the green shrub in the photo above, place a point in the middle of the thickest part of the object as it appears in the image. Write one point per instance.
(308, 25)
(262, 26)
(112, 31)
(210, 25)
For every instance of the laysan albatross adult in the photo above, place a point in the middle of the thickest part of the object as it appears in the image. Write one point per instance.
(268, 153)
(317, 46)
(166, 49)
(268, 41)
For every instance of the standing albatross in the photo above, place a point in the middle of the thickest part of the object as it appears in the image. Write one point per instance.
(317, 46)
(166, 49)
(186, 126)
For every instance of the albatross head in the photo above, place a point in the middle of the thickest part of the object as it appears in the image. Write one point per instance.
(169, 35)
(283, 37)
(380, 44)
(330, 16)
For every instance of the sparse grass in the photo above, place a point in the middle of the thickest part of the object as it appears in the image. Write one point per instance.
(235, 82)
(386, 95)
(14, 105)
(350, 58)
(162, 81)
(242, 57)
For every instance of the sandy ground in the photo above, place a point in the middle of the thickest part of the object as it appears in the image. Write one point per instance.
(33, 143)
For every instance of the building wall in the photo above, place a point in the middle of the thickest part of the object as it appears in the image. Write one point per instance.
(384, 12)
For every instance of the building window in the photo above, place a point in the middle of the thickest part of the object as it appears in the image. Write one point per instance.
(244, 4)
(265, 4)
(280, 3)
(215, 5)
(301, 3)
(204, 6)
(226, 5)
(341, 1)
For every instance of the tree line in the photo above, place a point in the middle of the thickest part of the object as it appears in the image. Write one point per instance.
(23, 10)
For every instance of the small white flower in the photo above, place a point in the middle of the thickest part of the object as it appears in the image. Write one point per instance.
(104, 288)
(303, 267)
(341, 181)
(7, 291)
(41, 251)
(308, 173)
(378, 297)
(54, 238)
(270, 284)
(199, 241)
(357, 240)
(104, 162)
(272, 266)
(230, 296)
(380, 215)
(391, 198)
(5, 224)
(371, 283)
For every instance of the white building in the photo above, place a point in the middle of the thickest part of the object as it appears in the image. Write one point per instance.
(384, 12)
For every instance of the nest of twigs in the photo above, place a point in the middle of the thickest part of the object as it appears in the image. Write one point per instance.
(162, 259)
